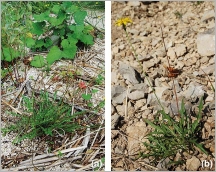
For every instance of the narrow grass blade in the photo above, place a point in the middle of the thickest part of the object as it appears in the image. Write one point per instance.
(196, 122)
(153, 125)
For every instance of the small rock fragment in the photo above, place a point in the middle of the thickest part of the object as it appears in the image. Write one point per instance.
(193, 164)
(118, 94)
(180, 50)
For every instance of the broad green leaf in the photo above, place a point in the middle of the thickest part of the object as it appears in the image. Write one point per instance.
(38, 28)
(48, 42)
(56, 9)
(87, 39)
(41, 17)
(66, 4)
(69, 53)
(59, 20)
(38, 61)
(72, 9)
(86, 96)
(71, 39)
(69, 50)
(54, 54)
(9, 54)
(30, 42)
(77, 30)
(59, 32)
(39, 43)
(79, 17)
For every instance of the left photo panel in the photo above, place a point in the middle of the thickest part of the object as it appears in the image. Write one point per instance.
(52, 86)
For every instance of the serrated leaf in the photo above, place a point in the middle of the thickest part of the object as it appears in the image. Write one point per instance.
(59, 20)
(79, 17)
(71, 39)
(41, 17)
(38, 28)
(38, 61)
(30, 42)
(87, 39)
(69, 53)
(54, 54)
(77, 30)
(69, 50)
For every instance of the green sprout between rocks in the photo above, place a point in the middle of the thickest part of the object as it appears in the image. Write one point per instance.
(171, 137)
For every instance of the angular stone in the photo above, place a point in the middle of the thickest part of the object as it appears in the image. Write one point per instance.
(129, 73)
(138, 91)
(207, 70)
(118, 94)
(180, 50)
(193, 164)
(208, 15)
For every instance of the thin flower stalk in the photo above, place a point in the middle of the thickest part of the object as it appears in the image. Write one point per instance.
(124, 22)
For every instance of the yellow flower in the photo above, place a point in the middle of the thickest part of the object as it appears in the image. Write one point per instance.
(29, 35)
(123, 21)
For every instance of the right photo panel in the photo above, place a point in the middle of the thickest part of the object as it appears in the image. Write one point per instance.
(163, 86)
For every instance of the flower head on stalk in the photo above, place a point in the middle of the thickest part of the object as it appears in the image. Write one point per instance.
(123, 22)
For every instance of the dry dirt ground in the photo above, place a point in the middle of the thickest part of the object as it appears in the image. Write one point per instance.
(185, 27)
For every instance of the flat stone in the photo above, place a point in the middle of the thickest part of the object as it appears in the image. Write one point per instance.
(171, 53)
(193, 91)
(193, 164)
(180, 49)
(206, 43)
(138, 91)
(118, 94)
(207, 70)
(115, 50)
(129, 73)
(133, 3)
(188, 16)
(114, 120)
(142, 58)
(208, 15)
